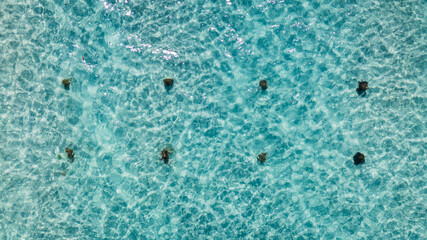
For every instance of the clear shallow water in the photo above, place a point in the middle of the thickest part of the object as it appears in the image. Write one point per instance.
(117, 117)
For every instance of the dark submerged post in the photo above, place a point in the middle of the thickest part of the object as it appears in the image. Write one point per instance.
(165, 156)
(262, 157)
(168, 83)
(70, 154)
(358, 158)
(263, 84)
(361, 90)
(66, 83)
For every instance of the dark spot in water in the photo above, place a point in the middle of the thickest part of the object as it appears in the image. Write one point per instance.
(165, 156)
(361, 90)
(358, 158)
(70, 154)
(262, 157)
(168, 83)
(263, 84)
(66, 83)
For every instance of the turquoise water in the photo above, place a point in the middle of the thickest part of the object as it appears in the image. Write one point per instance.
(117, 117)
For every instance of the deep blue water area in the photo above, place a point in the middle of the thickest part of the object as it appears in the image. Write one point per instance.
(117, 117)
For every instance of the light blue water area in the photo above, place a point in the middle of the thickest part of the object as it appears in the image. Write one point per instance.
(117, 117)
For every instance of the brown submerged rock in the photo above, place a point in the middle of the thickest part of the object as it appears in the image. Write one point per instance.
(361, 90)
(358, 158)
(263, 84)
(70, 154)
(168, 82)
(165, 156)
(67, 82)
(262, 157)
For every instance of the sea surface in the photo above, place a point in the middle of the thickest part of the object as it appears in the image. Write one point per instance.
(117, 117)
